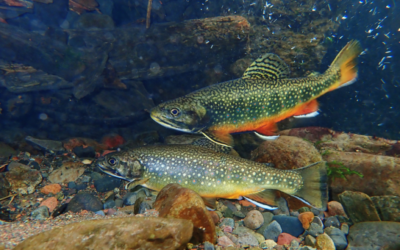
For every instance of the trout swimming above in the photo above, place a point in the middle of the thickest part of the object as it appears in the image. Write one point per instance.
(257, 101)
(216, 175)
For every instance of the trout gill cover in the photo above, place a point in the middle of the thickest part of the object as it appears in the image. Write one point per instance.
(216, 175)
(257, 101)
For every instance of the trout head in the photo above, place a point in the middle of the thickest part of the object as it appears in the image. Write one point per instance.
(181, 114)
(121, 165)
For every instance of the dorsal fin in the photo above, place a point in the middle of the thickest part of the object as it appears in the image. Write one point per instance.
(267, 67)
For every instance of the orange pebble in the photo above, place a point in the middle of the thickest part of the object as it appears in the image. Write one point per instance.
(306, 219)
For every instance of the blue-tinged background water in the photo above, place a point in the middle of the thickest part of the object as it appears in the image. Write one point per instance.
(116, 99)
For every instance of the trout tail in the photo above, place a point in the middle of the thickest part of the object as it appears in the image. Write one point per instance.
(344, 67)
(315, 185)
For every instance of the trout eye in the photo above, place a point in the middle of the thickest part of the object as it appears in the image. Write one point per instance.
(112, 161)
(175, 112)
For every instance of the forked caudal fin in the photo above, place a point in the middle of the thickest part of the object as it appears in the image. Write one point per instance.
(315, 185)
(345, 65)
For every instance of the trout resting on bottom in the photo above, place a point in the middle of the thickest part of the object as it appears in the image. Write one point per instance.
(217, 175)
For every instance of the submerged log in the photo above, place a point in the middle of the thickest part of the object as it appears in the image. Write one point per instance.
(132, 53)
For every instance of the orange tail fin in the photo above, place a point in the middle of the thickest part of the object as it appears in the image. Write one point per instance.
(345, 65)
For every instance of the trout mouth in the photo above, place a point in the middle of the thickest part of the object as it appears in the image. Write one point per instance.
(110, 171)
(166, 123)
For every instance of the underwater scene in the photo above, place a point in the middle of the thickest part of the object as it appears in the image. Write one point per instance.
(200, 124)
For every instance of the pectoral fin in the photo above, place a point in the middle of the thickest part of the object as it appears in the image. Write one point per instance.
(219, 137)
(265, 199)
(133, 184)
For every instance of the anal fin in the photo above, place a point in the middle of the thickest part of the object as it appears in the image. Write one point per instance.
(219, 137)
(265, 199)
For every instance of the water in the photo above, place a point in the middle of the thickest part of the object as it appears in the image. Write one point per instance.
(94, 70)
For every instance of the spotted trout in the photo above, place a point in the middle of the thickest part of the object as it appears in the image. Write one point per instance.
(257, 101)
(216, 175)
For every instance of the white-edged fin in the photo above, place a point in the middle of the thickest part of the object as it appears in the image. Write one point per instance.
(267, 137)
(261, 204)
(309, 115)
(308, 203)
(347, 83)
(210, 209)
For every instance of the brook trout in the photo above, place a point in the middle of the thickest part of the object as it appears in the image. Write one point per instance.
(257, 101)
(216, 175)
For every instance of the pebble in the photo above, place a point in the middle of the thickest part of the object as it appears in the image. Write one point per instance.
(81, 186)
(294, 244)
(111, 211)
(41, 213)
(51, 203)
(306, 218)
(335, 208)
(71, 185)
(247, 239)
(345, 228)
(224, 241)
(84, 152)
(254, 219)
(106, 183)
(318, 221)
(109, 204)
(290, 225)
(316, 211)
(283, 208)
(52, 188)
(85, 178)
(272, 231)
(310, 241)
(208, 246)
(95, 176)
(87, 161)
(286, 239)
(130, 199)
(332, 222)
(227, 229)
(239, 214)
(100, 212)
(142, 206)
(304, 209)
(228, 222)
(118, 202)
(268, 244)
(338, 237)
(84, 201)
(315, 229)
(324, 242)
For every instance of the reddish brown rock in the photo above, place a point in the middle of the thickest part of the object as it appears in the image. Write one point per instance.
(214, 216)
(174, 201)
(51, 203)
(115, 233)
(52, 188)
(325, 138)
(306, 218)
(287, 152)
(335, 208)
(285, 239)
(381, 174)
